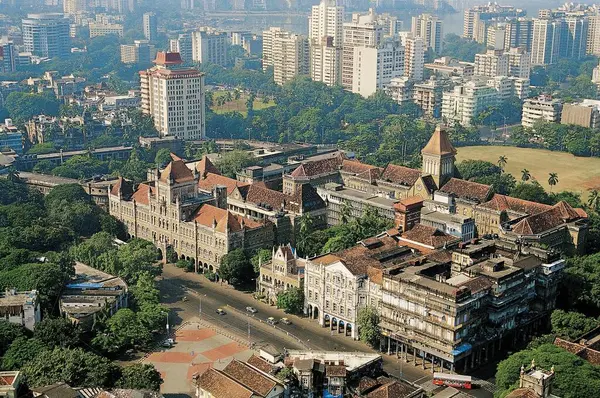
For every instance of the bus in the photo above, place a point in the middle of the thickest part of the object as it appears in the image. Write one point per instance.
(452, 380)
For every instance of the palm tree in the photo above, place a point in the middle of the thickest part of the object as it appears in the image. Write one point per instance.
(502, 160)
(552, 179)
(13, 174)
(525, 175)
(594, 200)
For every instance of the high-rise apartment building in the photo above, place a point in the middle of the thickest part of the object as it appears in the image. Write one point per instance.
(210, 46)
(8, 62)
(150, 26)
(519, 63)
(414, 57)
(174, 96)
(429, 28)
(491, 64)
(289, 54)
(465, 102)
(375, 67)
(267, 55)
(141, 51)
(325, 27)
(46, 35)
(545, 48)
(476, 19)
(593, 38)
(575, 31)
(74, 6)
(183, 46)
(363, 31)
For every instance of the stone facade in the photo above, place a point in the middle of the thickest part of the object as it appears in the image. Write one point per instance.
(284, 271)
(171, 211)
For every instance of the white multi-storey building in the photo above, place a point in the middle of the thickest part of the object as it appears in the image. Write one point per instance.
(465, 102)
(209, 46)
(519, 63)
(174, 97)
(491, 64)
(290, 56)
(543, 108)
(141, 51)
(268, 35)
(20, 308)
(414, 57)
(400, 89)
(150, 26)
(375, 67)
(46, 35)
(429, 28)
(74, 6)
(183, 46)
(546, 44)
(363, 31)
(325, 27)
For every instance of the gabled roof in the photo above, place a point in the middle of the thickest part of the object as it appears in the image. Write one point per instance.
(392, 389)
(317, 167)
(469, 190)
(141, 193)
(122, 187)
(361, 170)
(439, 143)
(260, 364)
(306, 198)
(211, 180)
(508, 203)
(400, 175)
(556, 216)
(168, 58)
(250, 377)
(205, 166)
(430, 184)
(219, 385)
(428, 236)
(176, 171)
(207, 215)
(56, 390)
(174, 156)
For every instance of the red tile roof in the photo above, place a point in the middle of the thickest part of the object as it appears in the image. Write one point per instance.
(429, 236)
(392, 389)
(468, 190)
(400, 175)
(219, 385)
(7, 380)
(168, 58)
(335, 371)
(211, 180)
(318, 167)
(123, 187)
(141, 193)
(305, 198)
(250, 377)
(260, 364)
(523, 393)
(176, 171)
(361, 170)
(207, 215)
(205, 166)
(439, 143)
(508, 203)
(556, 216)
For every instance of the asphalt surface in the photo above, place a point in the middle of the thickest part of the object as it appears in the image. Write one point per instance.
(203, 298)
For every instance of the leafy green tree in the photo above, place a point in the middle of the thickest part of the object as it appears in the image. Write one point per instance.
(594, 200)
(163, 157)
(12, 192)
(262, 256)
(571, 325)
(552, 179)
(291, 301)
(145, 291)
(57, 332)
(89, 250)
(463, 49)
(68, 192)
(473, 169)
(231, 162)
(368, 326)
(8, 333)
(122, 330)
(75, 367)
(47, 279)
(140, 377)
(572, 198)
(21, 351)
(286, 374)
(187, 265)
(23, 106)
(574, 377)
(235, 267)
(581, 284)
(136, 257)
(531, 191)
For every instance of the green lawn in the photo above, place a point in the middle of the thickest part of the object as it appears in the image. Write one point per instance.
(237, 105)
(576, 174)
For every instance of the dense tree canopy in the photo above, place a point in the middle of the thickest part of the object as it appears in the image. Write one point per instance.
(236, 268)
(368, 326)
(140, 377)
(291, 301)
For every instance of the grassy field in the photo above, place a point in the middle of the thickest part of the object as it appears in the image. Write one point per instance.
(237, 105)
(574, 173)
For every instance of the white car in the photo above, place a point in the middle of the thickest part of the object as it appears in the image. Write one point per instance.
(251, 310)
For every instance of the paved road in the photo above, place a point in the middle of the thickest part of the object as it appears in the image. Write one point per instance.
(208, 296)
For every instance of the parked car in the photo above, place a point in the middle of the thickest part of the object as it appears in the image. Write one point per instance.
(251, 310)
(285, 321)
(168, 343)
(272, 321)
(221, 311)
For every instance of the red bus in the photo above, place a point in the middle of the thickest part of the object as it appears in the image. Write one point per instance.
(452, 380)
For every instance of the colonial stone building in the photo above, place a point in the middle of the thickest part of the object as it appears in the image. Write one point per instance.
(170, 211)
(283, 272)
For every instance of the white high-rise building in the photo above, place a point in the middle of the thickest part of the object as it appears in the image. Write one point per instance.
(414, 57)
(210, 46)
(47, 35)
(593, 38)
(429, 28)
(287, 53)
(576, 30)
(74, 6)
(183, 46)
(141, 51)
(491, 64)
(363, 31)
(325, 27)
(174, 96)
(464, 103)
(150, 26)
(545, 48)
(519, 63)
(375, 67)
(543, 108)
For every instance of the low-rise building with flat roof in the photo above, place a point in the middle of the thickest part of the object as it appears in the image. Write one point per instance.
(20, 308)
(91, 292)
(10, 384)
(542, 108)
(585, 113)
